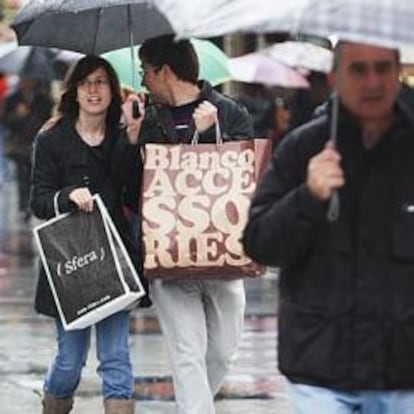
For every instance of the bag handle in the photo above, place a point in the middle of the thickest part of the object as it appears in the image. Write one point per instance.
(55, 203)
(219, 138)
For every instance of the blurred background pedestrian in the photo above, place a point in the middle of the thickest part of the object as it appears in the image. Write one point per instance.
(24, 113)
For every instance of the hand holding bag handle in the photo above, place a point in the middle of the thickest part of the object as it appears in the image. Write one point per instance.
(107, 285)
(219, 139)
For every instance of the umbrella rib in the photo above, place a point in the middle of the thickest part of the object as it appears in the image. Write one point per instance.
(131, 47)
(95, 40)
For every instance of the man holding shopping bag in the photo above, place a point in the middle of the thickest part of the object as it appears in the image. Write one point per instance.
(201, 319)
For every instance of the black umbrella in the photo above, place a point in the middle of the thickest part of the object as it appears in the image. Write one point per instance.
(30, 62)
(93, 26)
(90, 27)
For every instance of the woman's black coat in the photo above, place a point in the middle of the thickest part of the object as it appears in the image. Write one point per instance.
(62, 161)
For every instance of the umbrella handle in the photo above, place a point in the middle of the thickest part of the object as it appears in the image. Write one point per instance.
(334, 204)
(334, 207)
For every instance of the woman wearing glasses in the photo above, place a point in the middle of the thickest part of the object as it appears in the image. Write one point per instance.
(81, 152)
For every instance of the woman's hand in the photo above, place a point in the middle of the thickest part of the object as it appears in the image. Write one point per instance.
(82, 197)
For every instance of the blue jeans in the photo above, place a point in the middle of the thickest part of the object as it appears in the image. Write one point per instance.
(112, 351)
(307, 399)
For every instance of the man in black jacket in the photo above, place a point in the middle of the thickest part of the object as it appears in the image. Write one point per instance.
(200, 319)
(25, 111)
(346, 326)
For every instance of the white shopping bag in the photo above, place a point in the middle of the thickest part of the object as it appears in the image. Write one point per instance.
(87, 265)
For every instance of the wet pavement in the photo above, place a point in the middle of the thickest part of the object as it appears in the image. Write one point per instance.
(27, 342)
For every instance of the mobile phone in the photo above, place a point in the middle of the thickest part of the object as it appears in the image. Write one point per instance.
(135, 110)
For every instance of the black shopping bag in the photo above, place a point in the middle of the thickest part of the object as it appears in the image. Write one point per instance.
(89, 270)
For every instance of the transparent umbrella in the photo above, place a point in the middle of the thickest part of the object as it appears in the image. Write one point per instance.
(378, 22)
(386, 23)
(259, 67)
(302, 55)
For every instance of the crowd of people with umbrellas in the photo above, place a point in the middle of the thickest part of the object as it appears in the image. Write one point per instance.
(333, 209)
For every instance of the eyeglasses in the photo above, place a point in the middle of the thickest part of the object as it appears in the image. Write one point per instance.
(147, 69)
(97, 83)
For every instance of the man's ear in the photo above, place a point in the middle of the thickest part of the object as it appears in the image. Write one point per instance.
(166, 71)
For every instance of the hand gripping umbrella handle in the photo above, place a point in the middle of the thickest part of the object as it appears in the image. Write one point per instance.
(334, 204)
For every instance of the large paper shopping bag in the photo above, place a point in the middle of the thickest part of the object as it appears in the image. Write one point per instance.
(195, 201)
(87, 265)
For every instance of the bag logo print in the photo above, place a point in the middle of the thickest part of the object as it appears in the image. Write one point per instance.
(78, 262)
(210, 192)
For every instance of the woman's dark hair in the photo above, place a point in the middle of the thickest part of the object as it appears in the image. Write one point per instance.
(179, 55)
(68, 106)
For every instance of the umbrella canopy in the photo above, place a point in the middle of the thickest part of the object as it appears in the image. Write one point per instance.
(90, 27)
(302, 55)
(378, 22)
(28, 62)
(97, 26)
(7, 47)
(258, 67)
(407, 55)
(384, 23)
(214, 63)
(64, 59)
(79, 24)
